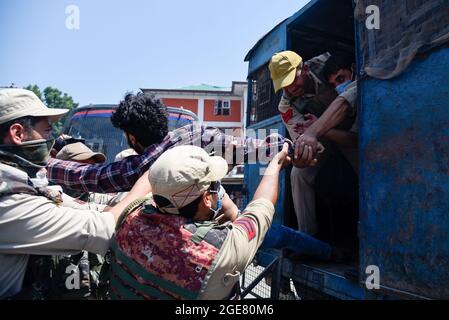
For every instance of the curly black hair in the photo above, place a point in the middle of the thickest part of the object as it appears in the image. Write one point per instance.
(335, 63)
(143, 116)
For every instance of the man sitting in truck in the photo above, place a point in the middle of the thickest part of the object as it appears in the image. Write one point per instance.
(311, 108)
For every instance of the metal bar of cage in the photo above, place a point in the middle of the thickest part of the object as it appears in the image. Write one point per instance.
(256, 281)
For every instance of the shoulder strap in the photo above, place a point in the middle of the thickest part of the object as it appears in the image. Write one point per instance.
(130, 208)
(202, 229)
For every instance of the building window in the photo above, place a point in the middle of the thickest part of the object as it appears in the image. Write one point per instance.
(222, 108)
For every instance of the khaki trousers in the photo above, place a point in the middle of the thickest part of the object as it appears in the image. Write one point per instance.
(303, 191)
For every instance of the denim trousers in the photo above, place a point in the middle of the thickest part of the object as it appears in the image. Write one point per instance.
(280, 237)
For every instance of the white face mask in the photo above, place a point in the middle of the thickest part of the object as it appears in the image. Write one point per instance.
(342, 87)
(220, 195)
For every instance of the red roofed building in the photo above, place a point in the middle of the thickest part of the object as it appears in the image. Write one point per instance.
(222, 107)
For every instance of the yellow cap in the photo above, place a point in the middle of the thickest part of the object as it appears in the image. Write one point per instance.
(283, 68)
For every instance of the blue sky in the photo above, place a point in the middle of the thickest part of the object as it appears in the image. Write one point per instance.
(126, 45)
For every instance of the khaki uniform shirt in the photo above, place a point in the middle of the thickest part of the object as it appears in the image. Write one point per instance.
(293, 110)
(239, 248)
(350, 95)
(31, 224)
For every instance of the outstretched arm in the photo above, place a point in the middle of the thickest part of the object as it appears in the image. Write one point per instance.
(140, 190)
(338, 110)
(268, 187)
(114, 177)
(122, 175)
(343, 138)
(333, 116)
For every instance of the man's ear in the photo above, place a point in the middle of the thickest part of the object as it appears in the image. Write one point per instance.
(16, 134)
(207, 200)
(131, 138)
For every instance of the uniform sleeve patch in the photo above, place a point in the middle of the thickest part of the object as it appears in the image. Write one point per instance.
(247, 225)
(286, 116)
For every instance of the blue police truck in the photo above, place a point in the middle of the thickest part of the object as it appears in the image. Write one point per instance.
(395, 213)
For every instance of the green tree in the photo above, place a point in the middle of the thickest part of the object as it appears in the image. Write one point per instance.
(54, 98)
(35, 89)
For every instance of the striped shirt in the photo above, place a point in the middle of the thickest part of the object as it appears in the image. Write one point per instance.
(121, 176)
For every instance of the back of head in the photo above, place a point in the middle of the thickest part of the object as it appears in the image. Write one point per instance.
(143, 116)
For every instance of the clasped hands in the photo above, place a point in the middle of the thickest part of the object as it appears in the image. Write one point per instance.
(307, 149)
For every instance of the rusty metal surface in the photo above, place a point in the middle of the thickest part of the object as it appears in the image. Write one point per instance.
(404, 176)
(405, 29)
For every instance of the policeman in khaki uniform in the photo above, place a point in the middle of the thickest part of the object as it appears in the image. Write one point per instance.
(170, 246)
(311, 109)
(33, 217)
(79, 152)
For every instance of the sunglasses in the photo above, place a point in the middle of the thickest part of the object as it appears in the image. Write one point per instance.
(214, 187)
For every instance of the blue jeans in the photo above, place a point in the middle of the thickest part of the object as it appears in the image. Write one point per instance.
(279, 237)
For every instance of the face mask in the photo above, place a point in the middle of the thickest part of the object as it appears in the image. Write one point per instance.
(342, 87)
(37, 151)
(220, 195)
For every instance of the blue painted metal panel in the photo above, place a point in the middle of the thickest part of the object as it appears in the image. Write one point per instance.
(274, 41)
(296, 18)
(404, 177)
(326, 281)
(253, 173)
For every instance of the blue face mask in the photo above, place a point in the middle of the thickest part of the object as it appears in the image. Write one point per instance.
(220, 195)
(342, 87)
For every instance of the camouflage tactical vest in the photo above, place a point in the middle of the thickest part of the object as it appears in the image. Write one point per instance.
(79, 276)
(160, 256)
